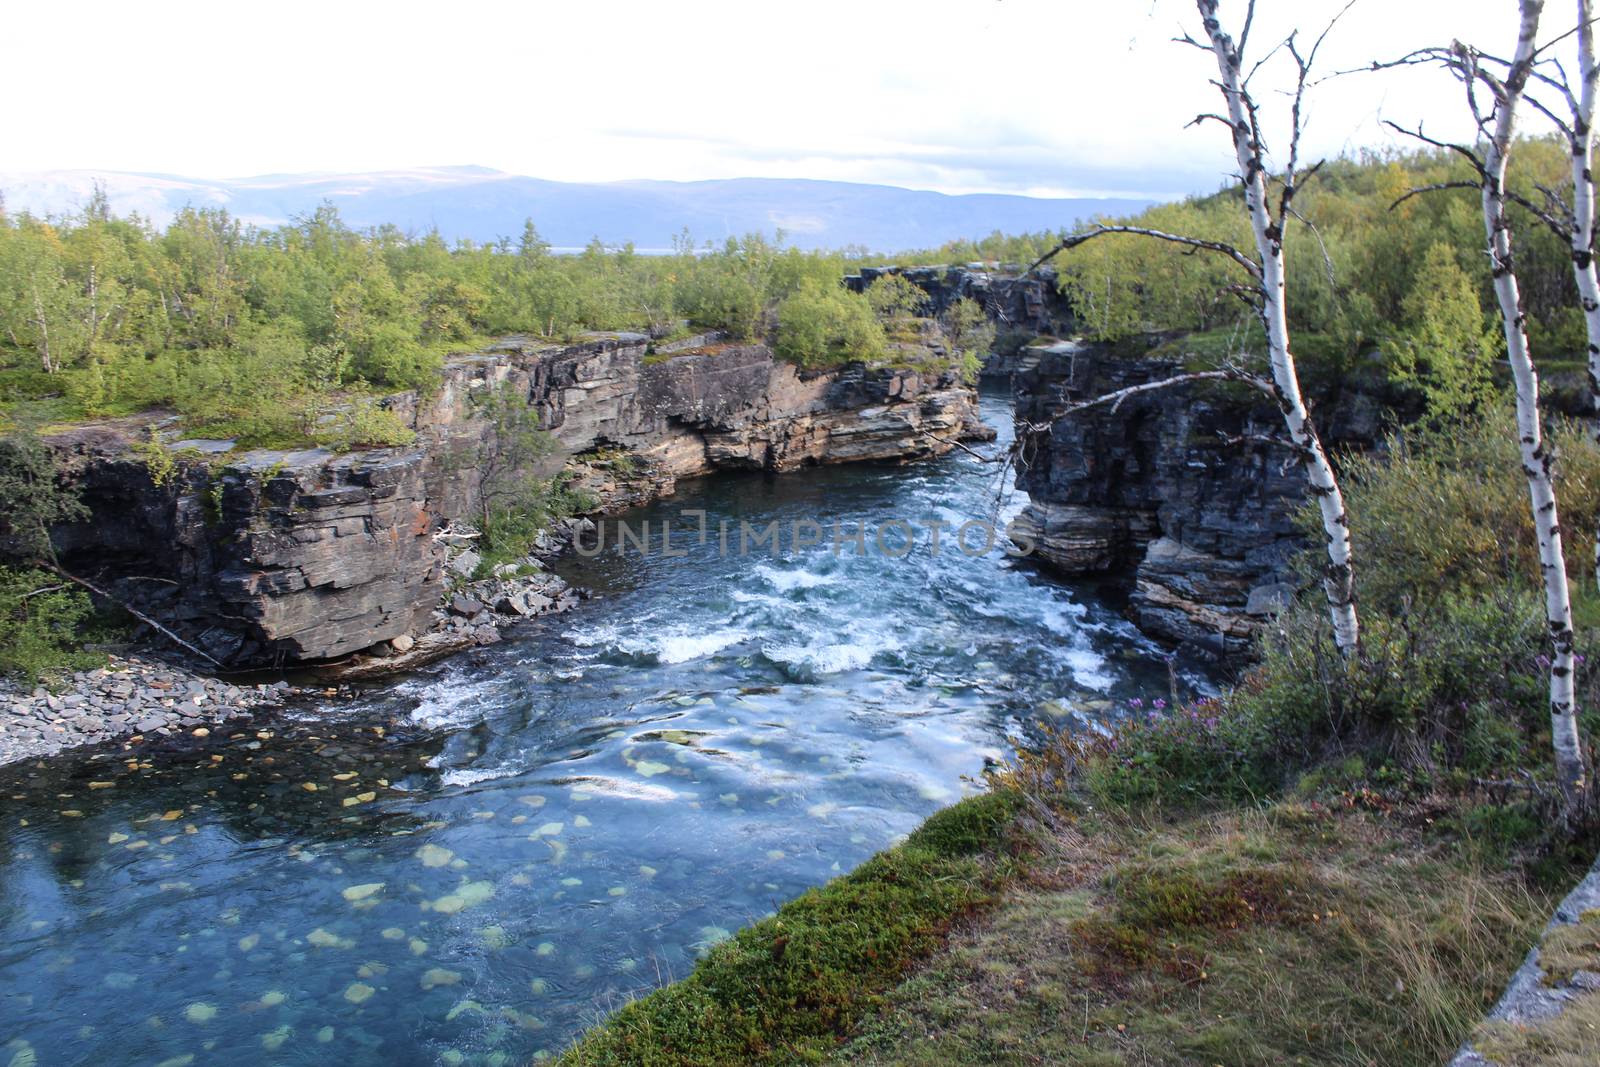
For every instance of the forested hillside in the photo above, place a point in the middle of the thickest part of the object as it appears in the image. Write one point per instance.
(1368, 265)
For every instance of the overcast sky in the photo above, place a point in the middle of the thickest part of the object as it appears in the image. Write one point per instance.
(1049, 97)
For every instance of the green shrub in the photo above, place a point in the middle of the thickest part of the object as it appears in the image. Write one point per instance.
(1447, 349)
(896, 301)
(40, 618)
(823, 326)
(969, 336)
(162, 462)
(1446, 509)
(510, 529)
(364, 424)
(32, 499)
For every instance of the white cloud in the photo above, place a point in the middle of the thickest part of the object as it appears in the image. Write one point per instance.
(1056, 97)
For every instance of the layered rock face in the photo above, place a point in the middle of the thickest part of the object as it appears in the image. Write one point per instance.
(271, 557)
(1031, 305)
(1181, 487)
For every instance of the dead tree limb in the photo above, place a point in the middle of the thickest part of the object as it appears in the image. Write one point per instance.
(131, 610)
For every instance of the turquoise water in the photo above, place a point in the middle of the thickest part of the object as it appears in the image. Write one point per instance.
(474, 863)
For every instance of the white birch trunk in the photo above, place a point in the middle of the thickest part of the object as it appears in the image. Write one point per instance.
(42, 323)
(1584, 271)
(1535, 458)
(1338, 575)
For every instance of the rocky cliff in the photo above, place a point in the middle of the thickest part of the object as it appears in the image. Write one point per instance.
(1028, 307)
(272, 557)
(1184, 489)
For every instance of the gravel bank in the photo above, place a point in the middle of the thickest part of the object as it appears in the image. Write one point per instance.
(128, 698)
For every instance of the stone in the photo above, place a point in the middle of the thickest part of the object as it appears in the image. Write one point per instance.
(466, 606)
(466, 564)
(402, 642)
(1269, 599)
(1177, 491)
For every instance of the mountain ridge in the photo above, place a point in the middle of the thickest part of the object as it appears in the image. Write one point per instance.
(482, 204)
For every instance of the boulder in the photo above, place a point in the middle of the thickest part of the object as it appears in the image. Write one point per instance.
(466, 606)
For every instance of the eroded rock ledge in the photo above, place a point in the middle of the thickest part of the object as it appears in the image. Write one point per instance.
(1180, 489)
(271, 558)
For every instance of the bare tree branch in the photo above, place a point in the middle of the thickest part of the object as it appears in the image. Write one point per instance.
(1115, 398)
(1076, 239)
(131, 610)
(1433, 188)
(1327, 259)
(1461, 150)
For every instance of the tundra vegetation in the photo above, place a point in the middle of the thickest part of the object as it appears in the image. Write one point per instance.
(257, 334)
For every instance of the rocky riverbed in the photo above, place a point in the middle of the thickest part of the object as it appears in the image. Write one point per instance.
(131, 699)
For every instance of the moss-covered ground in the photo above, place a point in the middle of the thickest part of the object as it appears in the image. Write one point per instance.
(1012, 931)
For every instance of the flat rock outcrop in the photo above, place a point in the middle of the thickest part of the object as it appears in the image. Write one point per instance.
(267, 558)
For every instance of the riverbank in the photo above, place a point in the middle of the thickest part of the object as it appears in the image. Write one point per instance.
(1026, 928)
(134, 696)
(130, 698)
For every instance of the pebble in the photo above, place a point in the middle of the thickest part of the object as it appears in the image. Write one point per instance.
(129, 696)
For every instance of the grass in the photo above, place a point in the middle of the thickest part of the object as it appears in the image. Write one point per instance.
(1290, 934)
(788, 988)
(1004, 932)
(1571, 1039)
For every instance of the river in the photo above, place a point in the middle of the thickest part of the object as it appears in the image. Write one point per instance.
(471, 864)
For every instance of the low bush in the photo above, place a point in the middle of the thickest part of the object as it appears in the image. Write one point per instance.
(363, 424)
(41, 615)
(509, 531)
(823, 326)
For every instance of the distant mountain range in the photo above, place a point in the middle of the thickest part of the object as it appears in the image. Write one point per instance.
(484, 204)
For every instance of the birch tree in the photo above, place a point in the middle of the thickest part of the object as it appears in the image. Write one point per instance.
(1269, 204)
(1572, 217)
(1496, 89)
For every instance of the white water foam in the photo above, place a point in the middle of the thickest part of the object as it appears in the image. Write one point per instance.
(604, 635)
(765, 600)
(684, 646)
(1088, 669)
(788, 581)
(458, 700)
(464, 776)
(807, 662)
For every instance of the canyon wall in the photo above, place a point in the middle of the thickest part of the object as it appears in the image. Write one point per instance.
(1029, 306)
(1186, 489)
(272, 557)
